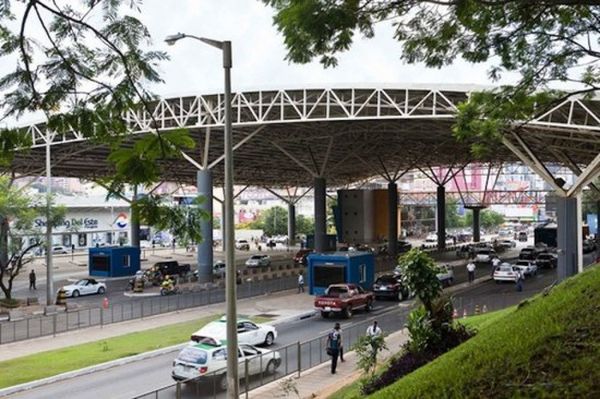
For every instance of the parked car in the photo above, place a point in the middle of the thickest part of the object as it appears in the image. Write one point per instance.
(258, 260)
(506, 272)
(218, 269)
(59, 249)
(248, 332)
(404, 246)
(522, 236)
(588, 246)
(208, 360)
(301, 256)
(172, 268)
(506, 243)
(86, 286)
(242, 245)
(432, 237)
(484, 255)
(530, 253)
(446, 275)
(528, 268)
(390, 286)
(344, 299)
(546, 260)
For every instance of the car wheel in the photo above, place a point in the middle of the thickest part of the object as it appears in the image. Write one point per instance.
(271, 367)
(269, 339)
(325, 315)
(223, 382)
(369, 306)
(101, 290)
(405, 294)
(348, 312)
(75, 294)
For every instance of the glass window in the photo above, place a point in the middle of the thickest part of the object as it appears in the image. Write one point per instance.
(193, 355)
(249, 351)
(126, 261)
(325, 275)
(363, 273)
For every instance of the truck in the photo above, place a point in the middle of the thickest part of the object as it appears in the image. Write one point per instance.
(344, 299)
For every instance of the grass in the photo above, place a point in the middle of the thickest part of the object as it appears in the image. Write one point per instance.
(46, 364)
(352, 391)
(546, 348)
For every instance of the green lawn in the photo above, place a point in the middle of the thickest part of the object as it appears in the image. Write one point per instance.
(46, 364)
(352, 391)
(548, 348)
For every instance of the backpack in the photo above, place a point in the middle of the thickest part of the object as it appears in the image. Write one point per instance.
(332, 342)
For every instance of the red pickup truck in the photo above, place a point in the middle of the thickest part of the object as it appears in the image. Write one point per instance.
(344, 299)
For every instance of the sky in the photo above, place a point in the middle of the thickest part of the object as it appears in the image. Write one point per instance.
(259, 53)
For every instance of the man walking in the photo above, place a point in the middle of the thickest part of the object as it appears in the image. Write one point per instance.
(300, 283)
(32, 280)
(471, 271)
(374, 332)
(334, 340)
(495, 263)
(519, 281)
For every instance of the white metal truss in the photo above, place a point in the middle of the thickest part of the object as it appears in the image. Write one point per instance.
(474, 198)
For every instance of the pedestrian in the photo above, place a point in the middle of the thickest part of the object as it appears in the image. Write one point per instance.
(333, 346)
(340, 342)
(495, 264)
(300, 283)
(374, 332)
(471, 271)
(519, 281)
(32, 280)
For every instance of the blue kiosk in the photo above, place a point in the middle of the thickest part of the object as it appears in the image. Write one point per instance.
(113, 261)
(340, 267)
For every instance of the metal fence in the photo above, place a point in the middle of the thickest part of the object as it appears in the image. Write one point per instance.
(41, 326)
(292, 359)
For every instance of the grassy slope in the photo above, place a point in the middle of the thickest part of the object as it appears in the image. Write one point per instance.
(548, 348)
(46, 364)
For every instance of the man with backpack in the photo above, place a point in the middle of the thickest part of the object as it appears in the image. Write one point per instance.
(334, 343)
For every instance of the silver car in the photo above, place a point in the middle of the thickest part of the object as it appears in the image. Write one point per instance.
(258, 261)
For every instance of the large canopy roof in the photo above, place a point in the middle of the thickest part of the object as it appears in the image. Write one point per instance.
(287, 137)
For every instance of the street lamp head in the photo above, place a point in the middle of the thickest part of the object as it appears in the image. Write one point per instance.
(171, 39)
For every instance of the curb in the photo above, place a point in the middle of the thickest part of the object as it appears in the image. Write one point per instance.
(88, 370)
(459, 287)
(296, 317)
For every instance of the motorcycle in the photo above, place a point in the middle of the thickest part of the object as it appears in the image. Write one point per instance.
(164, 291)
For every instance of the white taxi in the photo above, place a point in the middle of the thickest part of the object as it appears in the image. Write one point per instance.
(506, 272)
(207, 359)
(248, 332)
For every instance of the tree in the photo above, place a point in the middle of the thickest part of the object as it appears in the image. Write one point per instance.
(17, 213)
(305, 225)
(453, 219)
(542, 41)
(91, 64)
(272, 221)
(490, 219)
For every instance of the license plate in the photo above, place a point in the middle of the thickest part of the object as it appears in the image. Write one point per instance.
(327, 309)
(383, 288)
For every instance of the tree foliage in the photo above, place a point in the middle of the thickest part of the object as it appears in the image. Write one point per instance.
(17, 214)
(90, 67)
(419, 273)
(542, 41)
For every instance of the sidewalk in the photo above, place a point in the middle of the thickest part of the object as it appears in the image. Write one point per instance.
(318, 382)
(282, 306)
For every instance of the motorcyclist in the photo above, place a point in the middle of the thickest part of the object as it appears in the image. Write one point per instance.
(167, 284)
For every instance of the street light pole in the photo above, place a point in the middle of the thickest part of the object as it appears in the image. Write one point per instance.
(233, 391)
(49, 266)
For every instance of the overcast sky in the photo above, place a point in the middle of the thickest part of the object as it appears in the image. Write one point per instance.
(258, 53)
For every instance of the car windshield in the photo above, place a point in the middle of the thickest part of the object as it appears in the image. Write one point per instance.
(484, 252)
(255, 257)
(193, 355)
(337, 291)
(81, 282)
(386, 280)
(545, 256)
(527, 250)
(505, 268)
(521, 263)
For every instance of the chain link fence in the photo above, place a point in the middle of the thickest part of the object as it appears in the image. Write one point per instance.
(291, 359)
(41, 326)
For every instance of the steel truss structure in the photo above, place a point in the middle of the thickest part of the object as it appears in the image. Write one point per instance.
(474, 198)
(288, 137)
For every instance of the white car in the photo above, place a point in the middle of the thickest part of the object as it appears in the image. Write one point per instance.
(248, 332)
(242, 245)
(506, 272)
(59, 249)
(431, 237)
(258, 260)
(445, 275)
(208, 360)
(485, 255)
(528, 268)
(86, 286)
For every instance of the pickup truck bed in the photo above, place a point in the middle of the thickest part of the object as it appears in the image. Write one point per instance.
(343, 299)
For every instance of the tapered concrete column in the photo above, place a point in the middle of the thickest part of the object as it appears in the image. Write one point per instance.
(205, 247)
(476, 232)
(320, 214)
(223, 225)
(393, 220)
(441, 217)
(291, 224)
(597, 219)
(135, 221)
(568, 236)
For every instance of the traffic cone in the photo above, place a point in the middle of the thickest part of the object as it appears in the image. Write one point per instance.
(455, 314)
(484, 310)
(476, 309)
(465, 313)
